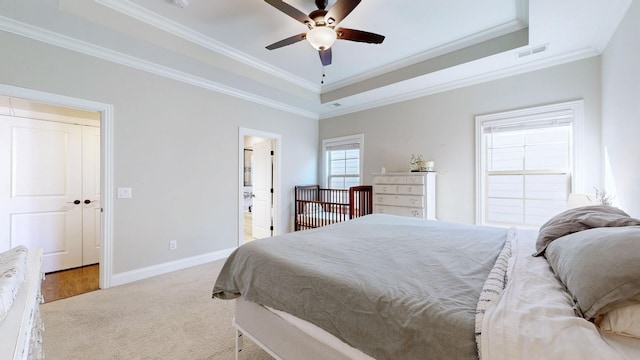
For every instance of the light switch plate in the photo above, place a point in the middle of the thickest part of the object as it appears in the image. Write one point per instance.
(124, 193)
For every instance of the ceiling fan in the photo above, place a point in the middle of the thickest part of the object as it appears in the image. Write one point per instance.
(321, 24)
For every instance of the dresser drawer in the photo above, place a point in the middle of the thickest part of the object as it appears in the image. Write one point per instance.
(399, 180)
(400, 211)
(399, 200)
(385, 189)
(411, 189)
(390, 180)
(415, 180)
(398, 189)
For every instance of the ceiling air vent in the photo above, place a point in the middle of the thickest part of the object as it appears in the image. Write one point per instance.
(533, 50)
(334, 105)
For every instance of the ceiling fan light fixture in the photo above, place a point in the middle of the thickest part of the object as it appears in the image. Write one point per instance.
(321, 37)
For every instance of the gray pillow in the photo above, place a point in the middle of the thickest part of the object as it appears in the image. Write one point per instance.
(599, 267)
(578, 219)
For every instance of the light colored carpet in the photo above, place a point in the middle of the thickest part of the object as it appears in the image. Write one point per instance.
(171, 316)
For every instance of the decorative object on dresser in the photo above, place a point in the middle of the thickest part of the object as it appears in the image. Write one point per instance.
(316, 207)
(419, 164)
(410, 194)
(21, 327)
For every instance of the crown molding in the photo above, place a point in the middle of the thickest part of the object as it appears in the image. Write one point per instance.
(140, 13)
(69, 43)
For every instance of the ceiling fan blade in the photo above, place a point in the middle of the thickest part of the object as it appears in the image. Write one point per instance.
(340, 10)
(325, 56)
(290, 10)
(288, 41)
(359, 36)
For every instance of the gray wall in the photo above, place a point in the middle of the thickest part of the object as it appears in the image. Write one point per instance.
(621, 113)
(176, 145)
(442, 127)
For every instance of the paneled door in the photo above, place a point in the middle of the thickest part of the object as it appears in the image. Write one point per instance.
(91, 209)
(262, 174)
(43, 198)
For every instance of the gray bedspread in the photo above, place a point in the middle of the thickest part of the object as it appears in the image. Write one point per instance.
(393, 287)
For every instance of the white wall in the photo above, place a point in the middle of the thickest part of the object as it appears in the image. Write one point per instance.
(621, 113)
(176, 145)
(442, 127)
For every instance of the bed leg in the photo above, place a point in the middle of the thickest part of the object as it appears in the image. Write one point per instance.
(238, 344)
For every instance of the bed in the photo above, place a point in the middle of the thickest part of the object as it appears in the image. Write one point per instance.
(315, 206)
(383, 286)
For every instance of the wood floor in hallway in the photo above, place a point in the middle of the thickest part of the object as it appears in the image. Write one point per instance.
(66, 283)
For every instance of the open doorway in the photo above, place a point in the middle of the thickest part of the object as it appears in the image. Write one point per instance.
(100, 201)
(258, 190)
(50, 155)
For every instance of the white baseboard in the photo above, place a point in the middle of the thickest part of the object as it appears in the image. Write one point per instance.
(155, 270)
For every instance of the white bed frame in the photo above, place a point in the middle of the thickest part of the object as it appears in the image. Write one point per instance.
(284, 339)
(21, 329)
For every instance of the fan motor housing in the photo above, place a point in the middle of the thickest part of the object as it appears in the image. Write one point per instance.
(318, 17)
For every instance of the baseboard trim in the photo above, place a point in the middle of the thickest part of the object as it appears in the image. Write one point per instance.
(155, 270)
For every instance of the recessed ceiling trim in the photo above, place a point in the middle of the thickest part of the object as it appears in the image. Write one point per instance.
(494, 32)
(473, 80)
(69, 43)
(140, 13)
(476, 51)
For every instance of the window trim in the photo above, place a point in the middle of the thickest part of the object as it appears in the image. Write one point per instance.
(342, 140)
(574, 108)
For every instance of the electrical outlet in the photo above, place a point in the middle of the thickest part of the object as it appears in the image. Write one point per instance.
(173, 244)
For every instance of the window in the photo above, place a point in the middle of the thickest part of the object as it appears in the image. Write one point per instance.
(525, 164)
(343, 161)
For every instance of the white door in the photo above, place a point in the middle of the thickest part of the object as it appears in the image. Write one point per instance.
(262, 206)
(41, 192)
(91, 209)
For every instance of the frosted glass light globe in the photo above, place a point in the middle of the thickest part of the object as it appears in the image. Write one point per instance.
(321, 37)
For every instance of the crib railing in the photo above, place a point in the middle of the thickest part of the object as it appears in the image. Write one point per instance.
(315, 206)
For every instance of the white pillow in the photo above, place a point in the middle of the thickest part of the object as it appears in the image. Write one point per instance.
(624, 321)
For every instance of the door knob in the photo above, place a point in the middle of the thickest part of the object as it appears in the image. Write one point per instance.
(87, 201)
(74, 202)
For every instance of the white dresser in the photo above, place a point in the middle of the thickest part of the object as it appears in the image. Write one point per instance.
(410, 194)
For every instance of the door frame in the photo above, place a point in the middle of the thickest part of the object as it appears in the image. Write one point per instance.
(106, 163)
(277, 139)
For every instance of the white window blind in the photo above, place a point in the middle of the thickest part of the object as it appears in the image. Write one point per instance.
(524, 166)
(343, 161)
